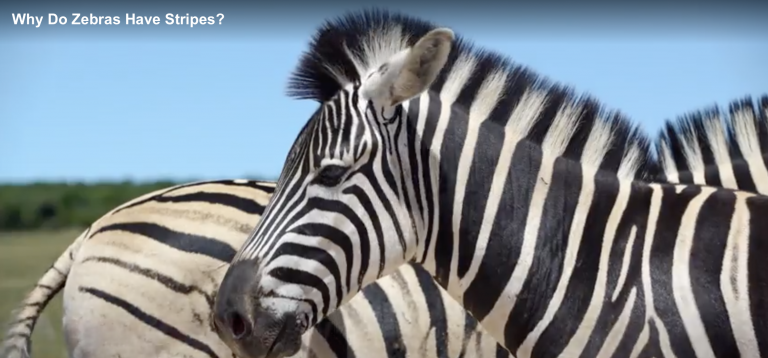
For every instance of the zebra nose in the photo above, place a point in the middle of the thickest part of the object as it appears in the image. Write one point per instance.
(235, 303)
(238, 325)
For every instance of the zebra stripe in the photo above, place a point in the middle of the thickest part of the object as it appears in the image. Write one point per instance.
(194, 204)
(140, 282)
(503, 186)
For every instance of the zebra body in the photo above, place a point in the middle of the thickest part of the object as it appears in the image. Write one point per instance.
(111, 282)
(141, 280)
(533, 207)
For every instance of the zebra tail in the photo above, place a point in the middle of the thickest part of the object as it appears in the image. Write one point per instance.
(18, 339)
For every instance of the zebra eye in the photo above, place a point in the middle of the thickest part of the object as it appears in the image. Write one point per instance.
(330, 175)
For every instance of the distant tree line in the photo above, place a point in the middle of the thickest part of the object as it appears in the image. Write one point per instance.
(63, 205)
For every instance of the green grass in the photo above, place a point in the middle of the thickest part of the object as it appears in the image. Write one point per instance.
(24, 257)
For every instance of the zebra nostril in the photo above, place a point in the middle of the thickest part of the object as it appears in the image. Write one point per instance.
(238, 326)
(303, 322)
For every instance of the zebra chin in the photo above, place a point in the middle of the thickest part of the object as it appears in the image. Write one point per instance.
(245, 325)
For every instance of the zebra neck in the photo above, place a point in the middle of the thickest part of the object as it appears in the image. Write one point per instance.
(492, 224)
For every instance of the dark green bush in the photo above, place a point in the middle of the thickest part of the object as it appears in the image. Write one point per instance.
(62, 205)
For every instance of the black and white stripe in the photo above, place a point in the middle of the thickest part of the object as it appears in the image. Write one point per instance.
(531, 206)
(141, 280)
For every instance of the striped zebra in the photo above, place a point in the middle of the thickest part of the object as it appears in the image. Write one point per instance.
(113, 283)
(127, 305)
(143, 293)
(530, 205)
(140, 281)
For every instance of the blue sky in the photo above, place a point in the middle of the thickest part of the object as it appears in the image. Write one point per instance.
(98, 102)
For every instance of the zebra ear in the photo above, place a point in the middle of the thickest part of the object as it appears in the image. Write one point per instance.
(411, 72)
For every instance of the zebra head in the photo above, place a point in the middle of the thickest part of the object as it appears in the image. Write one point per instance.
(338, 219)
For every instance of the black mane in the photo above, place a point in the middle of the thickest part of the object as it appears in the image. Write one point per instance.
(327, 66)
(692, 141)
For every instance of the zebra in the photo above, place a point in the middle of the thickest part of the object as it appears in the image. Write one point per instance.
(139, 282)
(104, 289)
(120, 294)
(190, 197)
(427, 149)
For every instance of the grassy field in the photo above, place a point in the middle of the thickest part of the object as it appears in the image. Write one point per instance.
(24, 257)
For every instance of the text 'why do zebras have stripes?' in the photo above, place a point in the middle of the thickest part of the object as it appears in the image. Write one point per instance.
(141, 280)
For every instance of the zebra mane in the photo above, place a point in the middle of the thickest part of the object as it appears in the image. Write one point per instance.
(711, 137)
(344, 49)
